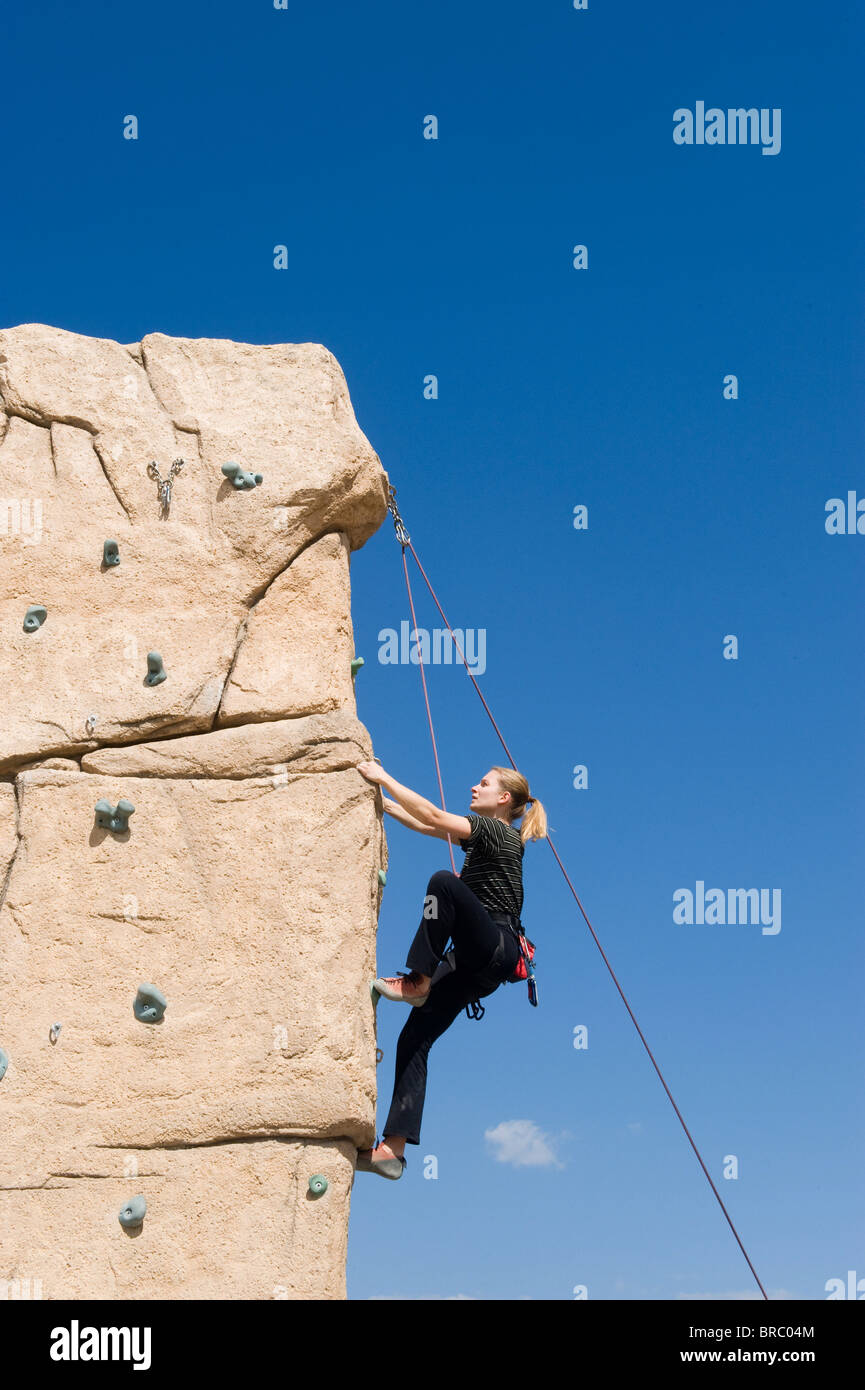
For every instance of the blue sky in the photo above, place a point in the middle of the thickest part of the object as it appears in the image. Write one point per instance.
(604, 647)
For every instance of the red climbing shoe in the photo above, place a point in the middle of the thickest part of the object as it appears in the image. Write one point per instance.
(405, 989)
(392, 1168)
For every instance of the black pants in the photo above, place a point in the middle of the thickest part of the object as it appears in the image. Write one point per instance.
(486, 954)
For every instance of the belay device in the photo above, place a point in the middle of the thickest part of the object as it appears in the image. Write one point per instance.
(524, 969)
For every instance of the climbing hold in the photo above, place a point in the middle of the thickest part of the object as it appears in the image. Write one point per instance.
(378, 1055)
(90, 723)
(317, 1184)
(382, 877)
(374, 993)
(156, 672)
(4, 1062)
(150, 1004)
(53, 1032)
(110, 553)
(114, 817)
(133, 1213)
(34, 617)
(356, 665)
(240, 478)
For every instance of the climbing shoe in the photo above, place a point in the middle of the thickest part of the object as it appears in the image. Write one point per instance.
(386, 1167)
(405, 989)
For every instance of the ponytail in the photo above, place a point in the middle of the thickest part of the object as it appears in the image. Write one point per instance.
(534, 818)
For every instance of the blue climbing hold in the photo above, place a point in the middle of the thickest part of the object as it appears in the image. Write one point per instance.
(34, 617)
(156, 672)
(110, 553)
(114, 817)
(133, 1213)
(241, 479)
(150, 1004)
(4, 1062)
(317, 1184)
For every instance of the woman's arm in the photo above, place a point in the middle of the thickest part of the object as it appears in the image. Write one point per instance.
(395, 810)
(429, 815)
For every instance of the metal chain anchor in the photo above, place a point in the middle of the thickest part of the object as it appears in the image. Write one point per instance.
(402, 534)
(164, 483)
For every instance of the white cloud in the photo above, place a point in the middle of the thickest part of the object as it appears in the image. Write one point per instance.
(521, 1143)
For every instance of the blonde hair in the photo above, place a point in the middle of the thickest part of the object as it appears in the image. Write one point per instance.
(534, 822)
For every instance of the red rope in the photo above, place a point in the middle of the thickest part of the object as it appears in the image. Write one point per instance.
(567, 879)
(426, 698)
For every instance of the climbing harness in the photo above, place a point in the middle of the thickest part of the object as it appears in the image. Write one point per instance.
(405, 541)
(164, 483)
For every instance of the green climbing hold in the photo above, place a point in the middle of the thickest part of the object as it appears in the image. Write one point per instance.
(317, 1184)
(374, 994)
(34, 617)
(382, 877)
(241, 479)
(4, 1062)
(356, 665)
(114, 817)
(133, 1214)
(156, 672)
(150, 1004)
(110, 553)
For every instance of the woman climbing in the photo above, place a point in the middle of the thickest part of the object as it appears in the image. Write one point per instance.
(478, 909)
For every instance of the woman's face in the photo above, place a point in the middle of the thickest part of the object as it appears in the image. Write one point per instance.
(486, 795)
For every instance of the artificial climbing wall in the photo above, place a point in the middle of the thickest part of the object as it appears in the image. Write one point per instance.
(184, 1005)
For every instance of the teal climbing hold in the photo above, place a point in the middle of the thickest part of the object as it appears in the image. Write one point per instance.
(382, 877)
(34, 617)
(114, 817)
(110, 553)
(156, 672)
(317, 1184)
(150, 1004)
(356, 665)
(133, 1213)
(241, 479)
(4, 1062)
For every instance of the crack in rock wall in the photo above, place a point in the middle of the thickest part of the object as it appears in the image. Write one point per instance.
(245, 887)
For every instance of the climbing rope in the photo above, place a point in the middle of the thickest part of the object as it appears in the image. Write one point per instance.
(405, 542)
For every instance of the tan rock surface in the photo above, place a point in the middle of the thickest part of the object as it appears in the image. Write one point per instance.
(207, 1209)
(84, 421)
(246, 886)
